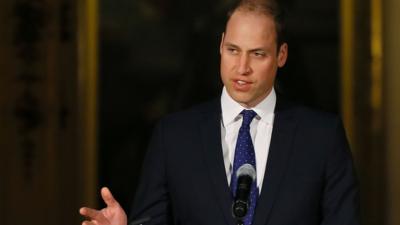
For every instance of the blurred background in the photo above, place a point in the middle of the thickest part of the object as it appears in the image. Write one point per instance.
(83, 82)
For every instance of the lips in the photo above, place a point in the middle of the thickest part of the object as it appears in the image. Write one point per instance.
(241, 85)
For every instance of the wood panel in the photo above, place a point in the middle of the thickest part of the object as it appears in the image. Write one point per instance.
(362, 88)
(391, 55)
(45, 141)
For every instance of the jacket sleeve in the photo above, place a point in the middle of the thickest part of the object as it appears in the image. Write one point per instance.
(152, 201)
(340, 200)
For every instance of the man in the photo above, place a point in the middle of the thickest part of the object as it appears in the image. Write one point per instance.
(304, 171)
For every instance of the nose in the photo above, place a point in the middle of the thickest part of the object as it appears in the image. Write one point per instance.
(244, 65)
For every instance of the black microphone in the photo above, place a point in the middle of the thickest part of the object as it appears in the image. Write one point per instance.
(246, 174)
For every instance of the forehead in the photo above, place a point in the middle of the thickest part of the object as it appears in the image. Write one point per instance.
(251, 28)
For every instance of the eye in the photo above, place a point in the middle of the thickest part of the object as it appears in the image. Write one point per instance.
(233, 51)
(259, 54)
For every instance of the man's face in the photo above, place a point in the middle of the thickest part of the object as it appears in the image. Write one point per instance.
(249, 57)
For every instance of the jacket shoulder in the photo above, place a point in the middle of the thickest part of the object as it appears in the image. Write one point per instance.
(191, 116)
(299, 112)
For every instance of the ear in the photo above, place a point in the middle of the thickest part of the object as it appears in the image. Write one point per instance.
(282, 54)
(222, 43)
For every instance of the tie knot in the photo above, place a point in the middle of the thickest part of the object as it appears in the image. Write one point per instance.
(248, 116)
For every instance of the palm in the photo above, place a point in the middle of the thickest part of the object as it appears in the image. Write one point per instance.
(113, 214)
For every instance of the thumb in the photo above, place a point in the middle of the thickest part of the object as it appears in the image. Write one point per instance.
(108, 197)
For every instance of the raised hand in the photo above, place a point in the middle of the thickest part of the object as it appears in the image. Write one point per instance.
(113, 214)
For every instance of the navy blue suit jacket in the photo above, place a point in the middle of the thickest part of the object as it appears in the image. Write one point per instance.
(309, 178)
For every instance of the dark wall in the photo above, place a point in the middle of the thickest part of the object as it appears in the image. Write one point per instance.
(162, 56)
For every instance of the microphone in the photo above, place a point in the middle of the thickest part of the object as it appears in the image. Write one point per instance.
(246, 174)
(140, 221)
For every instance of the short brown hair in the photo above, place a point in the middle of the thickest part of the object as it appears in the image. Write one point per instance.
(266, 7)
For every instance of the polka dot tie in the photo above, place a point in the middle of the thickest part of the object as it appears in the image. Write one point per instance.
(244, 153)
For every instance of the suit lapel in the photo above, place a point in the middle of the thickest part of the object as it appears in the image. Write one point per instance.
(210, 129)
(279, 153)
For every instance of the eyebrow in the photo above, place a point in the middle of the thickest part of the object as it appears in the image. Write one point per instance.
(231, 45)
(228, 44)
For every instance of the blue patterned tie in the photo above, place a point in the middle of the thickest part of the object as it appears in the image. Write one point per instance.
(244, 153)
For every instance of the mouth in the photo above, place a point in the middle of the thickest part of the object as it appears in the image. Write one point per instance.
(240, 82)
(241, 85)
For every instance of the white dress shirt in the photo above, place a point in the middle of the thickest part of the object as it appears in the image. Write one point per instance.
(260, 131)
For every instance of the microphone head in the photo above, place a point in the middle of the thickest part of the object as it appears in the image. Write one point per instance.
(246, 170)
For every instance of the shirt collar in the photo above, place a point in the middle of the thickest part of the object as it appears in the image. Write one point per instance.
(231, 109)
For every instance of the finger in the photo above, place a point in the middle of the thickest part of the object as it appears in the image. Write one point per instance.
(92, 214)
(86, 222)
(95, 216)
(108, 197)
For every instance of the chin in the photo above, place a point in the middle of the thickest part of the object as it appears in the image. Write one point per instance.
(240, 97)
(241, 100)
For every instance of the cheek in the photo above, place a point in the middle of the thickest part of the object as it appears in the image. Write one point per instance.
(266, 75)
(224, 72)
(226, 66)
(228, 61)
